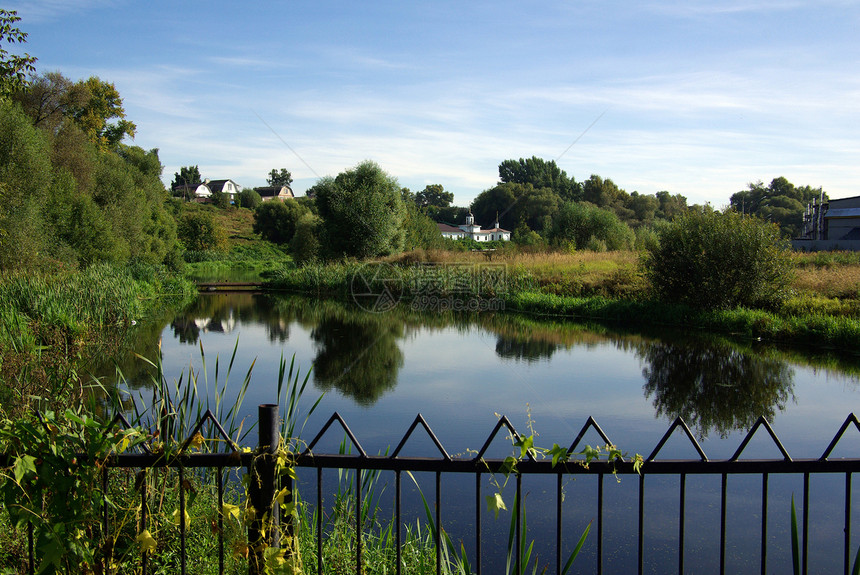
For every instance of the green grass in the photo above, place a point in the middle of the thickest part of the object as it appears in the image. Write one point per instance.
(50, 324)
(805, 319)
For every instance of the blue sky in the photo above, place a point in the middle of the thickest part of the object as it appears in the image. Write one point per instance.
(697, 98)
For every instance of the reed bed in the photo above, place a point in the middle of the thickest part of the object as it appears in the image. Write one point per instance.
(48, 324)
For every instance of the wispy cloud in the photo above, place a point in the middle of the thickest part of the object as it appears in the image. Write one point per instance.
(50, 10)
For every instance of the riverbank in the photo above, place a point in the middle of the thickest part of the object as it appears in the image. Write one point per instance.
(51, 324)
(823, 310)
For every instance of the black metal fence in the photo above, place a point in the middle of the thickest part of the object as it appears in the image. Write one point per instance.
(264, 485)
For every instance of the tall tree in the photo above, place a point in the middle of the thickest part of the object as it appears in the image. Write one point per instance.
(49, 99)
(187, 175)
(434, 195)
(540, 174)
(514, 204)
(780, 202)
(278, 179)
(362, 211)
(101, 105)
(13, 69)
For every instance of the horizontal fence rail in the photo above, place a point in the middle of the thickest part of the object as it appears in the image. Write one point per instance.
(264, 483)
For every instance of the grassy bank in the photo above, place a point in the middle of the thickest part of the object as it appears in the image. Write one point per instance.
(606, 287)
(50, 324)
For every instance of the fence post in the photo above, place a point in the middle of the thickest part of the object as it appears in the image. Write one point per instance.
(261, 490)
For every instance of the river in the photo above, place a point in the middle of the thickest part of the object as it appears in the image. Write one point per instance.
(379, 370)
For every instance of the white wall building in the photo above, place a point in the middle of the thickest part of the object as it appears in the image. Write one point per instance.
(473, 231)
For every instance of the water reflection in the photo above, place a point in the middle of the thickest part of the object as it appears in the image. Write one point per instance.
(216, 313)
(524, 348)
(361, 359)
(714, 386)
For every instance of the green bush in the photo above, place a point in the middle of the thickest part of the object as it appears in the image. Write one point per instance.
(249, 198)
(198, 231)
(715, 260)
(276, 221)
(590, 227)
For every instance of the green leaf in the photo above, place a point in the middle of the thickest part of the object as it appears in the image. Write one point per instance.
(22, 465)
(509, 465)
(557, 452)
(795, 545)
(576, 550)
(495, 503)
(146, 541)
(525, 444)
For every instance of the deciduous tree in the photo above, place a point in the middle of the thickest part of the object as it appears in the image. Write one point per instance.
(280, 178)
(102, 105)
(362, 211)
(780, 202)
(14, 69)
(540, 174)
(187, 175)
(434, 195)
(711, 259)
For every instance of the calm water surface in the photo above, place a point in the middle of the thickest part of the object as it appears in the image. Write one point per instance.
(380, 370)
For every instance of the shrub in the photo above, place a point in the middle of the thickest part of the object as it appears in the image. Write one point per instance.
(590, 227)
(249, 198)
(717, 260)
(199, 231)
(276, 221)
(305, 245)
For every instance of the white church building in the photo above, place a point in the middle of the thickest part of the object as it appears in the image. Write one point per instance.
(473, 231)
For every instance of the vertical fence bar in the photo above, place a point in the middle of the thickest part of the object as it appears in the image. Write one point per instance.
(358, 524)
(723, 524)
(261, 490)
(397, 519)
(319, 522)
(599, 524)
(438, 523)
(763, 523)
(558, 499)
(641, 540)
(30, 551)
(182, 520)
(681, 522)
(478, 523)
(288, 528)
(805, 523)
(108, 550)
(847, 559)
(220, 471)
(144, 558)
(519, 506)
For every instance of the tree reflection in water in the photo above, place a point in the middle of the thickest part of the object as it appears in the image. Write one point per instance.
(713, 385)
(360, 359)
(524, 348)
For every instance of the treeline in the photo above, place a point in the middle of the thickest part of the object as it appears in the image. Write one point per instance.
(71, 193)
(363, 212)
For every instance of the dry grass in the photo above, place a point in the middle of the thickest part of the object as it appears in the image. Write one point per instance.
(840, 281)
(581, 273)
(830, 275)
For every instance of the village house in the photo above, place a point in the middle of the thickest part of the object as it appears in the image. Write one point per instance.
(473, 231)
(282, 193)
(202, 192)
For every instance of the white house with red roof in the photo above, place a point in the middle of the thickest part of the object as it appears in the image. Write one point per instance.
(473, 231)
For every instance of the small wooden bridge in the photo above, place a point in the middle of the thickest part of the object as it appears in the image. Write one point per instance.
(229, 286)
